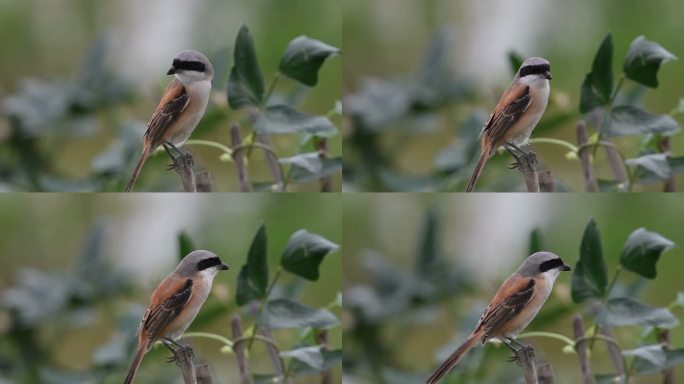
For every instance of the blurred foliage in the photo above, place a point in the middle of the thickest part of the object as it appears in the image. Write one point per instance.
(417, 129)
(90, 114)
(398, 307)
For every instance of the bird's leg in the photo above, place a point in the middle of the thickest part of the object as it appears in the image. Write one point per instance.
(512, 150)
(170, 149)
(528, 350)
(181, 348)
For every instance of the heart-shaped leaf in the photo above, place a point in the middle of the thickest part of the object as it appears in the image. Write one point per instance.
(246, 83)
(648, 170)
(656, 361)
(284, 313)
(598, 84)
(642, 251)
(589, 278)
(303, 58)
(253, 277)
(631, 120)
(309, 166)
(643, 61)
(284, 119)
(304, 253)
(625, 311)
(311, 360)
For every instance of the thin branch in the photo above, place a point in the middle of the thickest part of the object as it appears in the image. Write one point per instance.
(183, 165)
(272, 160)
(321, 337)
(183, 358)
(614, 352)
(322, 148)
(546, 181)
(590, 184)
(243, 175)
(203, 374)
(527, 164)
(664, 147)
(545, 374)
(525, 359)
(273, 353)
(669, 373)
(204, 182)
(239, 349)
(262, 303)
(581, 348)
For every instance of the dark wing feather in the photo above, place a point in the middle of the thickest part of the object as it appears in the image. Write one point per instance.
(158, 317)
(495, 317)
(499, 123)
(170, 107)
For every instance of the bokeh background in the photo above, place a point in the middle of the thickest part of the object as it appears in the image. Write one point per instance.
(88, 75)
(419, 270)
(421, 78)
(78, 271)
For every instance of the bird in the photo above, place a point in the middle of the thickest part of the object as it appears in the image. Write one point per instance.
(180, 109)
(519, 110)
(515, 304)
(175, 304)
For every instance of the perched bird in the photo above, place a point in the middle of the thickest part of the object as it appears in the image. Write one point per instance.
(518, 112)
(514, 306)
(180, 109)
(175, 303)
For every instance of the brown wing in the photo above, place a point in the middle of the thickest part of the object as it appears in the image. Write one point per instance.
(517, 101)
(162, 313)
(174, 101)
(494, 317)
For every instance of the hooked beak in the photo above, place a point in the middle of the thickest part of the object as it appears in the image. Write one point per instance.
(547, 75)
(565, 267)
(172, 71)
(223, 267)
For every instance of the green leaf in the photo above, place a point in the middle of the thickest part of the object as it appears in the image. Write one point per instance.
(185, 245)
(304, 252)
(303, 58)
(314, 359)
(284, 313)
(624, 311)
(535, 241)
(253, 277)
(589, 278)
(643, 61)
(309, 166)
(284, 119)
(598, 84)
(645, 172)
(642, 251)
(631, 120)
(246, 83)
(515, 60)
(656, 360)
(428, 246)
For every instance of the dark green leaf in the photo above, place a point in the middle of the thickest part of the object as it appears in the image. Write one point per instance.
(642, 251)
(643, 61)
(602, 69)
(304, 252)
(311, 360)
(428, 245)
(185, 245)
(309, 166)
(515, 60)
(653, 359)
(589, 278)
(284, 119)
(535, 241)
(624, 311)
(303, 58)
(253, 277)
(246, 83)
(284, 313)
(644, 173)
(598, 84)
(631, 120)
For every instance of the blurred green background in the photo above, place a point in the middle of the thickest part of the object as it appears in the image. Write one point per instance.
(425, 75)
(105, 63)
(79, 270)
(419, 269)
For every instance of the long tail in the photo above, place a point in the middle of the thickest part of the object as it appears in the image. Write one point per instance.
(478, 170)
(453, 359)
(138, 167)
(135, 366)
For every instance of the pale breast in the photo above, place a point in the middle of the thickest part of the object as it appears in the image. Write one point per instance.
(198, 92)
(200, 291)
(539, 93)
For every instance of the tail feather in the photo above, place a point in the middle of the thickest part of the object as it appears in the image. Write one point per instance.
(478, 170)
(134, 367)
(138, 167)
(453, 359)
